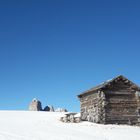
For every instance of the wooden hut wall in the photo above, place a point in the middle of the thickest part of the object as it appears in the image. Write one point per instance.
(122, 104)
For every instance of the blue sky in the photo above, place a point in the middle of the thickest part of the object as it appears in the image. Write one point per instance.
(54, 50)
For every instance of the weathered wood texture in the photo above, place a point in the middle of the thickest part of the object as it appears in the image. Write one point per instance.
(122, 104)
(117, 103)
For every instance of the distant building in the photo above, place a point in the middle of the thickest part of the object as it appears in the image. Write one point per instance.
(35, 105)
(116, 101)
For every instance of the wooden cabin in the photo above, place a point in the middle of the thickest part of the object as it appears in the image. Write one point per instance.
(116, 101)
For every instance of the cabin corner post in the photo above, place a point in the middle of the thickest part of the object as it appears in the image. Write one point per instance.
(101, 107)
(137, 95)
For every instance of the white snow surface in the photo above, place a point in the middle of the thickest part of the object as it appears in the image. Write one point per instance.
(33, 125)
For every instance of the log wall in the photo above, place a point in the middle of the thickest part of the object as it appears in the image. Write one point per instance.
(122, 105)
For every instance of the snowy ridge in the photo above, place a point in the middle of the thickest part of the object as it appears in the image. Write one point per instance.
(33, 125)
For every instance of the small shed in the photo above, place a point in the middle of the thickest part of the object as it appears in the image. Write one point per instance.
(116, 101)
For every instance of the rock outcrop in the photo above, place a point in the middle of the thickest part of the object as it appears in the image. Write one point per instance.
(35, 105)
(47, 108)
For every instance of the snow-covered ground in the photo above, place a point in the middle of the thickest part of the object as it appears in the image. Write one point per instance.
(27, 125)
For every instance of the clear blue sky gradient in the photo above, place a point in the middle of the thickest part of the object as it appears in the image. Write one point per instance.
(55, 49)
